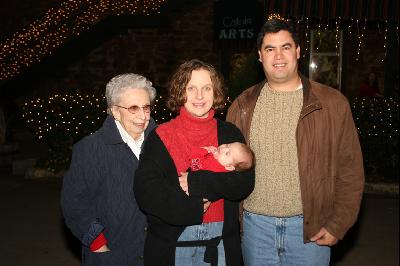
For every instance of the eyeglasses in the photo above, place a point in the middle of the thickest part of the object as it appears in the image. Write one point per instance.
(134, 108)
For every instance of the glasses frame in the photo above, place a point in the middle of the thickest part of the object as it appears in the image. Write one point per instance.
(134, 109)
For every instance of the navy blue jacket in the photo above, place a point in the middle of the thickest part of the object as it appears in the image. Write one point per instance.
(97, 197)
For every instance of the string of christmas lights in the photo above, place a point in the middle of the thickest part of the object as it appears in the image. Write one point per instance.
(360, 38)
(377, 121)
(376, 117)
(307, 38)
(63, 119)
(319, 36)
(42, 37)
(337, 35)
(384, 45)
(73, 17)
(71, 113)
(76, 114)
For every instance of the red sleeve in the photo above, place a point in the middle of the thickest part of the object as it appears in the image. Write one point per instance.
(98, 242)
(211, 164)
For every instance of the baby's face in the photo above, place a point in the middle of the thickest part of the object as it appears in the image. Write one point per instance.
(228, 154)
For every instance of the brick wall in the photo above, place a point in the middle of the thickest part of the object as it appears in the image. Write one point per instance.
(152, 51)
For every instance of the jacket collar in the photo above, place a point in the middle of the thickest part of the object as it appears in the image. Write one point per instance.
(110, 135)
(310, 100)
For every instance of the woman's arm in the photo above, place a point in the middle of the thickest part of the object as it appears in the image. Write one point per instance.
(229, 185)
(79, 184)
(232, 185)
(157, 189)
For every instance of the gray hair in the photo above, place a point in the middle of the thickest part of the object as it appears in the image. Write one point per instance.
(119, 84)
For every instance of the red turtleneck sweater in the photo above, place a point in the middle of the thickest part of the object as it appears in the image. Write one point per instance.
(182, 137)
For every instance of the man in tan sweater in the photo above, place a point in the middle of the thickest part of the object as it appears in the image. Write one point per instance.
(309, 170)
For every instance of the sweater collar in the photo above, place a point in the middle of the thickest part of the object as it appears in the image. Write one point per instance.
(310, 100)
(189, 122)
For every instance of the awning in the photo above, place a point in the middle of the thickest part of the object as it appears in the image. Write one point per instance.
(372, 10)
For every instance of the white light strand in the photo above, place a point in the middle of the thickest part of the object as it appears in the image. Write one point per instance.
(350, 26)
(319, 35)
(307, 38)
(360, 38)
(385, 42)
(42, 37)
(337, 39)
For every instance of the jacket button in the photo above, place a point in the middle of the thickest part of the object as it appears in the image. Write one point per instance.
(141, 257)
(145, 229)
(307, 222)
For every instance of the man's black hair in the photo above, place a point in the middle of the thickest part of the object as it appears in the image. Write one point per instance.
(276, 25)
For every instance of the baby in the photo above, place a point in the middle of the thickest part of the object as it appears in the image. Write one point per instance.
(233, 156)
(226, 157)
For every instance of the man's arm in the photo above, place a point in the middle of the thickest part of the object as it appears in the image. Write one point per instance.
(349, 183)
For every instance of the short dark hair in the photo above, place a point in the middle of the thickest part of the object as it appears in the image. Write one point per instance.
(276, 25)
(182, 76)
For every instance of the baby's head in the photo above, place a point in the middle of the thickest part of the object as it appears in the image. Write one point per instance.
(235, 156)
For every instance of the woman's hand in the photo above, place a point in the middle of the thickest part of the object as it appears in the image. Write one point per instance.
(184, 185)
(102, 249)
(206, 204)
(183, 182)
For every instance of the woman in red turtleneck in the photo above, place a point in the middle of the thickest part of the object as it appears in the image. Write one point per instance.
(177, 233)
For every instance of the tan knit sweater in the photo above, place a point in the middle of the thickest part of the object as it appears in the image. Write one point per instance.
(273, 140)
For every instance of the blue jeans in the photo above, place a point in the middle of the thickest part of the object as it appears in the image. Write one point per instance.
(279, 241)
(187, 256)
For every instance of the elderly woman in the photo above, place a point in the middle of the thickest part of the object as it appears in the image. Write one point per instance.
(193, 217)
(97, 198)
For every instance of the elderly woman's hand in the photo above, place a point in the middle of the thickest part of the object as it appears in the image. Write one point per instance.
(104, 248)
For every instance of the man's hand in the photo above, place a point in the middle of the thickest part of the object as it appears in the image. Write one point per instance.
(103, 249)
(183, 182)
(324, 238)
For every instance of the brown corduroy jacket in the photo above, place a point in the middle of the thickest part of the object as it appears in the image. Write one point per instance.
(330, 160)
